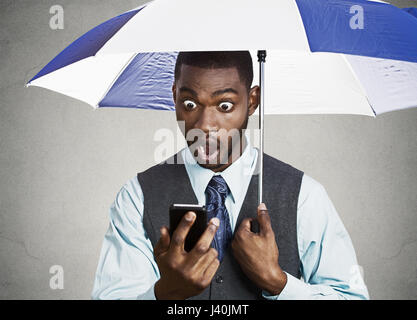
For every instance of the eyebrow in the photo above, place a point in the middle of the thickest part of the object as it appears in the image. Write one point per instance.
(227, 90)
(216, 93)
(185, 89)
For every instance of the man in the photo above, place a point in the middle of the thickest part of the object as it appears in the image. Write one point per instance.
(301, 251)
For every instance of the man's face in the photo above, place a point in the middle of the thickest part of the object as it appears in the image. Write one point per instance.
(215, 105)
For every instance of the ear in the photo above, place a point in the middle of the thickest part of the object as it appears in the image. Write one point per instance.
(174, 93)
(254, 95)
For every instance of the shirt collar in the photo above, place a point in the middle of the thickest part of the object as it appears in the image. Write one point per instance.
(235, 175)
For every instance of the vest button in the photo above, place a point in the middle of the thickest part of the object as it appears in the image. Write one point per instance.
(219, 279)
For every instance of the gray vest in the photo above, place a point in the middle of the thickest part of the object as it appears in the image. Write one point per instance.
(168, 183)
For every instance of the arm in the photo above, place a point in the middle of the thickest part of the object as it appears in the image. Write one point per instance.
(126, 268)
(129, 266)
(329, 266)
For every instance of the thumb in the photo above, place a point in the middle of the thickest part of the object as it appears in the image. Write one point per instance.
(264, 220)
(163, 243)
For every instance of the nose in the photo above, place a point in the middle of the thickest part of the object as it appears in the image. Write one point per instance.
(207, 120)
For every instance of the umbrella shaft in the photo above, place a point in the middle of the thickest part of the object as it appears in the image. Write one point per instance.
(261, 59)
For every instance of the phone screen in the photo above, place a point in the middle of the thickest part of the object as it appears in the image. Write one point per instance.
(177, 211)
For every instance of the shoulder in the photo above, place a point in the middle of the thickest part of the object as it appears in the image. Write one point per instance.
(310, 189)
(316, 211)
(129, 198)
(280, 166)
(132, 188)
(163, 169)
(313, 201)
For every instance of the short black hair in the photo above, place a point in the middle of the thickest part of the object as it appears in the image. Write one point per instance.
(241, 60)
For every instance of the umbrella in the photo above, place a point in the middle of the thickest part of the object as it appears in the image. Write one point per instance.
(324, 56)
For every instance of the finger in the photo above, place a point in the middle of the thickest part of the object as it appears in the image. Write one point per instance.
(179, 235)
(203, 244)
(264, 220)
(211, 271)
(163, 243)
(245, 225)
(205, 260)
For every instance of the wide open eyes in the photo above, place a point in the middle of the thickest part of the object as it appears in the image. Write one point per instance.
(189, 104)
(226, 106)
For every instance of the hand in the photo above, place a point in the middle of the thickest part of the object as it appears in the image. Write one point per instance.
(257, 253)
(185, 274)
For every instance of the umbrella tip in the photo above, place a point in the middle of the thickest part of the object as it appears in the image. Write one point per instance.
(261, 55)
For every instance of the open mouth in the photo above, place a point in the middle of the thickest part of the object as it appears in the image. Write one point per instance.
(208, 152)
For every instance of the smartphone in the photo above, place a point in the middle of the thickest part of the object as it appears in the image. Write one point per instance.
(177, 211)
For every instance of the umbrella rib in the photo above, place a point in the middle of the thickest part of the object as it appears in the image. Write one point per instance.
(358, 81)
(115, 79)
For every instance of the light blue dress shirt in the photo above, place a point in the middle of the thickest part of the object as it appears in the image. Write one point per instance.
(127, 268)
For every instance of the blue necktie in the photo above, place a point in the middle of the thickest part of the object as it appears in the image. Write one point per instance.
(216, 193)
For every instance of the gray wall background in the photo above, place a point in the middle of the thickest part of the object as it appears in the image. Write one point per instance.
(62, 163)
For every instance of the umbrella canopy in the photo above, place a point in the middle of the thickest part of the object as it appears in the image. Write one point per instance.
(324, 56)
(316, 62)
